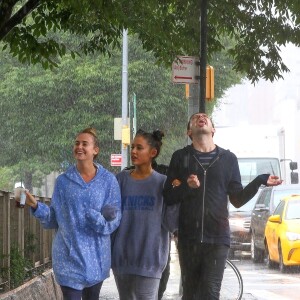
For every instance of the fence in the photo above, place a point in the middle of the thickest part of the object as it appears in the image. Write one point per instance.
(25, 247)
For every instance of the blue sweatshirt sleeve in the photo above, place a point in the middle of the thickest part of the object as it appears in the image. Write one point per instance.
(170, 219)
(46, 216)
(108, 219)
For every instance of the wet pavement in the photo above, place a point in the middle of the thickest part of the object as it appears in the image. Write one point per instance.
(109, 289)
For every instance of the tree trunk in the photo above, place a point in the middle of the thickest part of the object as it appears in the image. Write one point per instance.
(28, 181)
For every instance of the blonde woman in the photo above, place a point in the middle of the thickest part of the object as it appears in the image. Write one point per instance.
(85, 210)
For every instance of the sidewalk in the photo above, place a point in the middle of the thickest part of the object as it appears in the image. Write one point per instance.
(109, 289)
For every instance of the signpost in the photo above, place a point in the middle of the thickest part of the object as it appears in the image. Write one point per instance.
(116, 160)
(186, 70)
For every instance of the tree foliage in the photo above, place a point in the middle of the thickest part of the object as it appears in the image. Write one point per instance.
(41, 110)
(167, 28)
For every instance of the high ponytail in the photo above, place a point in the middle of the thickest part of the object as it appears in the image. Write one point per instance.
(154, 139)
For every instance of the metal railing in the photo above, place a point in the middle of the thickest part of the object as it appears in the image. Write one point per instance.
(21, 234)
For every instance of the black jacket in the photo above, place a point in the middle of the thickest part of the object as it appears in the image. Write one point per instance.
(203, 212)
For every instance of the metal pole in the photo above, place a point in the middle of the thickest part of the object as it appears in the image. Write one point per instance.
(124, 151)
(203, 55)
(193, 105)
(134, 115)
(199, 105)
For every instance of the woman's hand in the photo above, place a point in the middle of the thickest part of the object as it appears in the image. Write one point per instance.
(30, 200)
(176, 182)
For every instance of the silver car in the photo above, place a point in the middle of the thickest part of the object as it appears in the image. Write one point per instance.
(239, 222)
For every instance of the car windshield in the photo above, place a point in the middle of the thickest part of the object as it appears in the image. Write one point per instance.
(293, 210)
(251, 167)
(279, 195)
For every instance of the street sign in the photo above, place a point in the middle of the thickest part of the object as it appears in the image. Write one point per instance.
(185, 70)
(118, 128)
(116, 160)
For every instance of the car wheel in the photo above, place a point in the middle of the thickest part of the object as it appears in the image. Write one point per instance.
(282, 267)
(270, 264)
(257, 254)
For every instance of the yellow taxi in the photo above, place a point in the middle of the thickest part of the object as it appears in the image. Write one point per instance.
(282, 234)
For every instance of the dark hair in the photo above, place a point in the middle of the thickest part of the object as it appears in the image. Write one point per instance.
(93, 132)
(154, 139)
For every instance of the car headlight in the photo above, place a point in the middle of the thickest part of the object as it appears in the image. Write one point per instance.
(293, 236)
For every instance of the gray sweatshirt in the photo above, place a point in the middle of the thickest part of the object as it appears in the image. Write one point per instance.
(141, 243)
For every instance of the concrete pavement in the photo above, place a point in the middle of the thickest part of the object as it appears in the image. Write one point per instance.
(45, 287)
(109, 289)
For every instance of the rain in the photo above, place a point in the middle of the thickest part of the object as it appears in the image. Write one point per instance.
(41, 111)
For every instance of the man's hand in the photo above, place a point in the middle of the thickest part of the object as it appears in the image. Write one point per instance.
(273, 180)
(193, 181)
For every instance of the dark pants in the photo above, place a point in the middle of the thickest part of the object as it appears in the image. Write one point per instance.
(202, 268)
(135, 287)
(88, 293)
(164, 279)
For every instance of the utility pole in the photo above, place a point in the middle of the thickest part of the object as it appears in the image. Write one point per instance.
(203, 55)
(133, 116)
(124, 150)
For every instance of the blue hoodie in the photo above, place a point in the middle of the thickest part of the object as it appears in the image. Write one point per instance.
(84, 214)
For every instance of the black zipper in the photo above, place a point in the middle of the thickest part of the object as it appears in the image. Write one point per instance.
(204, 189)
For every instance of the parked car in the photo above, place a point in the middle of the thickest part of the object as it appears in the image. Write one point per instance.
(264, 207)
(239, 222)
(282, 233)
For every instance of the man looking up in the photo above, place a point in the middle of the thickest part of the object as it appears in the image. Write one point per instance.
(201, 177)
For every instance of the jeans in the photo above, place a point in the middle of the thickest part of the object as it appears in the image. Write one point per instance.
(135, 287)
(88, 293)
(202, 268)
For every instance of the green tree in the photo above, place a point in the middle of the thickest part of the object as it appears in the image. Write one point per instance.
(42, 110)
(6, 179)
(168, 28)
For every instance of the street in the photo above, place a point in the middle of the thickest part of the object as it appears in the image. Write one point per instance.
(260, 283)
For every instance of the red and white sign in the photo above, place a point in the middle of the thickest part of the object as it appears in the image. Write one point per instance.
(185, 69)
(116, 160)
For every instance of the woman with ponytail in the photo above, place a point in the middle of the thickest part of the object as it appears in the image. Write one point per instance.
(140, 245)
